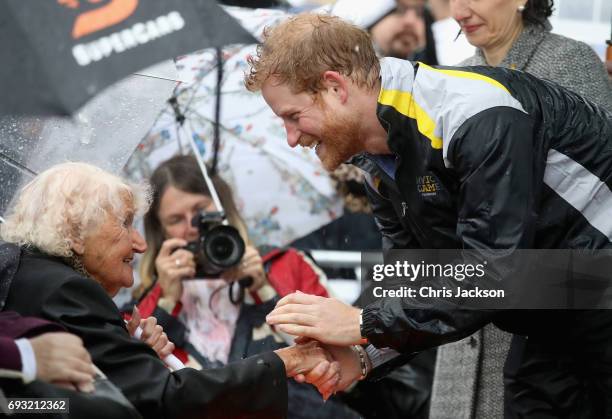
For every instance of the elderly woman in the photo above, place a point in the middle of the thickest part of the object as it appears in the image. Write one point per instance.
(74, 225)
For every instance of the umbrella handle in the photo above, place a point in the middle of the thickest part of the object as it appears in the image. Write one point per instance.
(171, 361)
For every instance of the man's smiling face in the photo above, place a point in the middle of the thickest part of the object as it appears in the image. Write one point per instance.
(329, 128)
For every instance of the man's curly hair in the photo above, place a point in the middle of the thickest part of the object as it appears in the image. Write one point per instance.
(299, 50)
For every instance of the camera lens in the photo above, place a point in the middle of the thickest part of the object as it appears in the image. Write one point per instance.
(223, 246)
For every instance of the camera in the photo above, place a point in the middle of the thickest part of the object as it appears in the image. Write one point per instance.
(218, 247)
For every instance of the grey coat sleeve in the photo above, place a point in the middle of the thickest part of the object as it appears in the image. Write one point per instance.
(579, 69)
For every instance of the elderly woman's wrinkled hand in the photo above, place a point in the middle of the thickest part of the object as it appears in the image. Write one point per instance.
(312, 360)
(349, 369)
(151, 333)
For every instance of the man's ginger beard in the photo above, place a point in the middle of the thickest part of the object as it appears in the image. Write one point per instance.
(340, 139)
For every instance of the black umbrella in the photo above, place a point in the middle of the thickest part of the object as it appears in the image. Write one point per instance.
(56, 55)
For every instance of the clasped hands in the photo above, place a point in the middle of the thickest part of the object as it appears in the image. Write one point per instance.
(328, 324)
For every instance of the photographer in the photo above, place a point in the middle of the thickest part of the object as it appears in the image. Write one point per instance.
(214, 320)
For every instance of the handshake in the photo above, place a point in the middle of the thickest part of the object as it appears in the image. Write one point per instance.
(327, 352)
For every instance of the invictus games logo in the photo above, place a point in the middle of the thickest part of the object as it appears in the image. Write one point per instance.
(109, 13)
(427, 185)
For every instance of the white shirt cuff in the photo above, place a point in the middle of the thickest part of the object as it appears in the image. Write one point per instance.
(28, 360)
(380, 356)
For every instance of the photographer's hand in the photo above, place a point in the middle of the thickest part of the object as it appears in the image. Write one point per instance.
(251, 266)
(173, 266)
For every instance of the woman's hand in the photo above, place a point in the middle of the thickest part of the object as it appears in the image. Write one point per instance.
(251, 266)
(311, 360)
(349, 366)
(151, 333)
(173, 266)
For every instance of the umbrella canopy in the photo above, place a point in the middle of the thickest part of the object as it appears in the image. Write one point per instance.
(104, 132)
(57, 54)
(281, 193)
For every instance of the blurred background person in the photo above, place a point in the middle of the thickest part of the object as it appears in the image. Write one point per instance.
(516, 34)
(214, 321)
(73, 223)
(400, 30)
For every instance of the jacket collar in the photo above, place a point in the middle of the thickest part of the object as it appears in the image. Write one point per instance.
(395, 75)
(363, 162)
(397, 79)
(523, 48)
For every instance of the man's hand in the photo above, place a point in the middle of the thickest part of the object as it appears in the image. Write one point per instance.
(324, 319)
(152, 334)
(61, 358)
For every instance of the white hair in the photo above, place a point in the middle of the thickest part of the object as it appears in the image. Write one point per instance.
(68, 202)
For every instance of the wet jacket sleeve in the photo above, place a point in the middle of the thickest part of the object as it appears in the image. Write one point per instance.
(81, 306)
(394, 235)
(492, 155)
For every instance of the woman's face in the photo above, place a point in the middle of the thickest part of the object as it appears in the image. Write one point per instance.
(108, 253)
(176, 210)
(488, 23)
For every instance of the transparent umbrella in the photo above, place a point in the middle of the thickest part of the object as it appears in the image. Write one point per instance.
(281, 193)
(104, 132)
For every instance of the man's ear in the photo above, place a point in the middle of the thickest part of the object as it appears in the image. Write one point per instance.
(336, 85)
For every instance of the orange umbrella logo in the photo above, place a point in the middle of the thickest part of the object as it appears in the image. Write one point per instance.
(100, 18)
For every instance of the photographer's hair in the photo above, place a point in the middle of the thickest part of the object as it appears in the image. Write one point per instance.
(183, 173)
(537, 11)
(299, 50)
(66, 203)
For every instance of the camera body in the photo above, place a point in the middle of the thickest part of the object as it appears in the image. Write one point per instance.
(218, 247)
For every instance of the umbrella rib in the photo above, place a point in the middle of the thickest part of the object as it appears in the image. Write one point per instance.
(156, 77)
(16, 164)
(195, 88)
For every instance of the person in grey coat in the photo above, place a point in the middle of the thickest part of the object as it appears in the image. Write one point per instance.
(516, 35)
